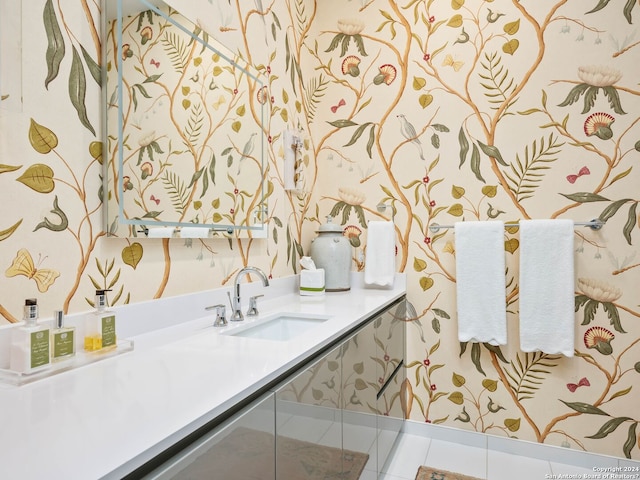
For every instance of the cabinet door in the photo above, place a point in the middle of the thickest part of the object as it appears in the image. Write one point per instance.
(390, 339)
(360, 384)
(309, 423)
(243, 448)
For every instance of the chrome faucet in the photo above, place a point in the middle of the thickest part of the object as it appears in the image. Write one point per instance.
(236, 315)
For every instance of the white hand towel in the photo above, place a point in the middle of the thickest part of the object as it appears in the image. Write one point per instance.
(547, 285)
(380, 266)
(194, 232)
(161, 232)
(480, 282)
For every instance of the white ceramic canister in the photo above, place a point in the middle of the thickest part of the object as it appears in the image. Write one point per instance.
(331, 250)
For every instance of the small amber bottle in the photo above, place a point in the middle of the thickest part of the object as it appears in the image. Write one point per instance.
(100, 328)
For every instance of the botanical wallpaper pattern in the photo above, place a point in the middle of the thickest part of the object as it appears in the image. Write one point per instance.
(442, 110)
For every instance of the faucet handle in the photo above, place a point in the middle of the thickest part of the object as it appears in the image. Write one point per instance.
(253, 305)
(221, 314)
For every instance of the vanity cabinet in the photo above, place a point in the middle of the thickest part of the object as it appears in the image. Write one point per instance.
(242, 448)
(336, 416)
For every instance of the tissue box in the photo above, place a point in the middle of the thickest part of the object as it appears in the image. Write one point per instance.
(312, 282)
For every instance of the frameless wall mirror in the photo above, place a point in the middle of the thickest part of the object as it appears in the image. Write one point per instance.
(185, 142)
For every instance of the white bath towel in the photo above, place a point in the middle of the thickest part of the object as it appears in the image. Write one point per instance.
(547, 285)
(380, 265)
(194, 232)
(161, 232)
(480, 282)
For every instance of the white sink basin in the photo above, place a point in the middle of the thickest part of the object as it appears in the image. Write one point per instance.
(279, 327)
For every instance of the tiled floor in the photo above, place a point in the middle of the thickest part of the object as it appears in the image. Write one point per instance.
(468, 453)
(411, 451)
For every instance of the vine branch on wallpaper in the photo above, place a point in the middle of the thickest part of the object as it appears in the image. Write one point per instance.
(6, 314)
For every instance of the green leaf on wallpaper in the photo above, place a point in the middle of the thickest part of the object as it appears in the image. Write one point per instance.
(152, 78)
(475, 163)
(464, 146)
(512, 28)
(196, 176)
(573, 96)
(435, 140)
(4, 234)
(601, 4)
(492, 151)
(631, 437)
(152, 214)
(511, 46)
(475, 358)
(435, 325)
(582, 407)
(177, 51)
(456, 210)
(357, 134)
(419, 83)
(55, 43)
(441, 313)
(342, 123)
(425, 100)
(54, 227)
(584, 197)
(9, 168)
(38, 177)
(426, 283)
(419, 264)
(458, 380)
(620, 176)
(609, 427)
(491, 385)
(495, 349)
(613, 315)
(631, 222)
(512, 424)
(455, 21)
(78, 90)
(94, 68)
(457, 192)
(621, 393)
(456, 397)
(511, 245)
(614, 99)
(41, 138)
(132, 254)
(457, 4)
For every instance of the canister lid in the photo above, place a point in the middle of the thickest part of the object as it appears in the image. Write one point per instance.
(330, 226)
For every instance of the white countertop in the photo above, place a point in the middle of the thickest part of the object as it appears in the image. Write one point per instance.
(107, 418)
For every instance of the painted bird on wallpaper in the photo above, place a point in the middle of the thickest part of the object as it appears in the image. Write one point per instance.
(409, 132)
(247, 149)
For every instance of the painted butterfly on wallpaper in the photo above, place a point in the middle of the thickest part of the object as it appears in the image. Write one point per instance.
(23, 265)
(216, 105)
(449, 62)
(573, 178)
(341, 103)
(155, 63)
(154, 199)
(582, 383)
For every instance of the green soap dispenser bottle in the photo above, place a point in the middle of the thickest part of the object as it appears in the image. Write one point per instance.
(63, 339)
(30, 342)
(100, 329)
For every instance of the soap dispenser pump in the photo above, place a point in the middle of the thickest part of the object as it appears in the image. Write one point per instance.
(100, 330)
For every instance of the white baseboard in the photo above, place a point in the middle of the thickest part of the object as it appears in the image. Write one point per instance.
(513, 446)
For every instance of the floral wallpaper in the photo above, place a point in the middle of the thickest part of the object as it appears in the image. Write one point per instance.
(443, 111)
